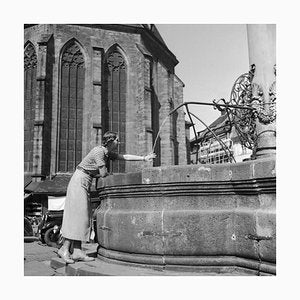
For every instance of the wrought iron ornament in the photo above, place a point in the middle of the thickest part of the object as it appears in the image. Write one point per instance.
(243, 120)
(246, 93)
(264, 111)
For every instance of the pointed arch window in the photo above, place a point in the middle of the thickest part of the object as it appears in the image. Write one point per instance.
(30, 63)
(114, 104)
(71, 108)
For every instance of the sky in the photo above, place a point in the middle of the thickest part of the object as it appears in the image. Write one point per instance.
(211, 58)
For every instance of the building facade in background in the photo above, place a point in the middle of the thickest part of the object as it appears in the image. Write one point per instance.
(211, 151)
(82, 80)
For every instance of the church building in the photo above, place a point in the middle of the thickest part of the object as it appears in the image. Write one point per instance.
(81, 80)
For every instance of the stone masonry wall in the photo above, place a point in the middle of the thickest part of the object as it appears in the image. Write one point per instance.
(165, 134)
(181, 133)
(94, 43)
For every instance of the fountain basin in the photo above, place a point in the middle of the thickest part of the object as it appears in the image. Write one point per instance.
(193, 215)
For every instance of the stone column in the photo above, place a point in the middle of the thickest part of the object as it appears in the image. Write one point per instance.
(262, 56)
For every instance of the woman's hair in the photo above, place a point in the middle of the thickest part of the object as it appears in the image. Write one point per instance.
(108, 137)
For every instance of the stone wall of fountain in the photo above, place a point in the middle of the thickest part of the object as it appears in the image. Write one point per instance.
(196, 217)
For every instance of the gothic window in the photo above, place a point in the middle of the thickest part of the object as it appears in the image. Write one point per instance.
(114, 104)
(30, 62)
(71, 108)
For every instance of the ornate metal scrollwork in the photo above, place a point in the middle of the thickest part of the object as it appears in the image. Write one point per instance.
(264, 111)
(244, 119)
(272, 97)
(251, 95)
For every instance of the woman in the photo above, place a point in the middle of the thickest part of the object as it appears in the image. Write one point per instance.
(76, 220)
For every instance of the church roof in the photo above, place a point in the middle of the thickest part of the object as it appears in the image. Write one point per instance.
(150, 27)
(153, 29)
(148, 31)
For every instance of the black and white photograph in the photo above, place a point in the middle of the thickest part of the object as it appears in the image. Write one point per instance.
(151, 151)
(125, 174)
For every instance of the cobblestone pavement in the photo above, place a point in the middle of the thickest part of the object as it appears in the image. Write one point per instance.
(37, 257)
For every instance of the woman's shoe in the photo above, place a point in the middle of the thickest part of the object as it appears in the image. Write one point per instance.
(65, 255)
(82, 257)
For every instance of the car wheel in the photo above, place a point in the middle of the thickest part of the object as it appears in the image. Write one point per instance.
(52, 238)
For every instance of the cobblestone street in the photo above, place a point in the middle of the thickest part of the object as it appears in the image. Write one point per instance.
(37, 257)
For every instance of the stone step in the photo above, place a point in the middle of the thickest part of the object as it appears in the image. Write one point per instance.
(108, 267)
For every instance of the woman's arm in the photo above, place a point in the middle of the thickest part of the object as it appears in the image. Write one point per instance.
(102, 172)
(132, 157)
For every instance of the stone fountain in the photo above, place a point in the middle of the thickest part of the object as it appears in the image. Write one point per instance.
(203, 219)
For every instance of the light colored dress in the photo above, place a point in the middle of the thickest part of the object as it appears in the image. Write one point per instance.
(77, 212)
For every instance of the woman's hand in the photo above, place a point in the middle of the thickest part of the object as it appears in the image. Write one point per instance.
(102, 172)
(150, 156)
